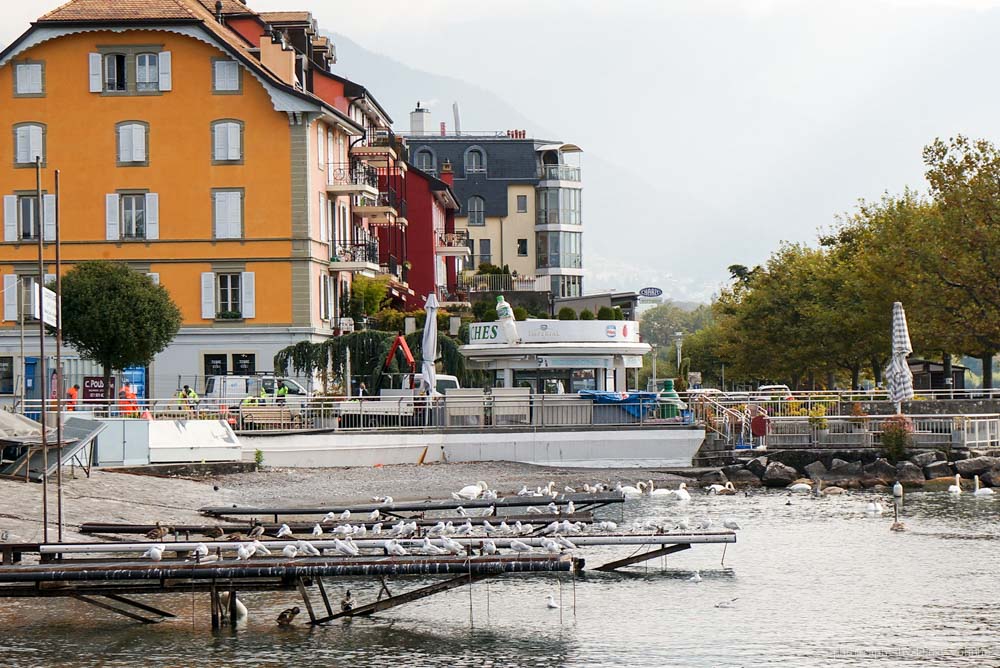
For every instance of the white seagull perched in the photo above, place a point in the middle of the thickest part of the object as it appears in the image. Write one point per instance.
(155, 552)
(374, 516)
(524, 491)
(377, 529)
(395, 549)
(565, 542)
(552, 508)
(307, 548)
(290, 551)
(429, 547)
(607, 525)
(569, 490)
(570, 508)
(472, 491)
(489, 528)
(518, 546)
(387, 501)
(982, 491)
(260, 548)
(489, 547)
(201, 550)
(329, 517)
(452, 546)
(283, 531)
(551, 546)
(317, 530)
(244, 552)
(550, 602)
(346, 515)
(346, 549)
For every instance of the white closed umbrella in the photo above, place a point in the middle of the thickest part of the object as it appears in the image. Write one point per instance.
(430, 343)
(898, 378)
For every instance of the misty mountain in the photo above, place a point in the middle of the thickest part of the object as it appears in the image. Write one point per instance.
(615, 196)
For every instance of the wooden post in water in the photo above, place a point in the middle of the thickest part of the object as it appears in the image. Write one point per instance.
(232, 607)
(214, 594)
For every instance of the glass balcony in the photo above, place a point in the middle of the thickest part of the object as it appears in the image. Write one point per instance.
(559, 173)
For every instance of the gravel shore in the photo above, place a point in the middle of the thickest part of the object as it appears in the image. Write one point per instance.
(109, 496)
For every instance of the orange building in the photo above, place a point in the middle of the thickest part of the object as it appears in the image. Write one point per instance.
(211, 147)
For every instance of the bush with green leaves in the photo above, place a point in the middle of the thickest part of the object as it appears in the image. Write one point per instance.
(566, 313)
(605, 313)
(587, 314)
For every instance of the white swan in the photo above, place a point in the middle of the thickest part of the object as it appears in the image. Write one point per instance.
(897, 490)
(681, 493)
(800, 487)
(550, 602)
(241, 610)
(874, 508)
(982, 491)
(630, 491)
(473, 491)
(957, 487)
(659, 491)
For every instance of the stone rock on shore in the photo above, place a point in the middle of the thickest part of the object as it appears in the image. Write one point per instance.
(847, 469)
(909, 474)
(991, 478)
(779, 475)
(880, 472)
(923, 459)
(976, 466)
(757, 466)
(744, 478)
(816, 469)
(938, 470)
(836, 463)
(712, 478)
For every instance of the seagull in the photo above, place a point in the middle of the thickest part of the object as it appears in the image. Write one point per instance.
(464, 529)
(290, 551)
(244, 552)
(607, 526)
(527, 528)
(395, 549)
(696, 577)
(346, 515)
(524, 491)
(377, 529)
(260, 548)
(462, 511)
(731, 524)
(387, 501)
(550, 546)
(727, 604)
(155, 552)
(684, 524)
(565, 542)
(346, 549)
(489, 547)
(341, 530)
(570, 508)
(552, 508)
(533, 511)
(490, 495)
(375, 515)
(489, 528)
(569, 490)
(201, 550)
(504, 527)
(317, 530)
(800, 487)
(329, 517)
(283, 531)
(550, 602)
(706, 524)
(307, 548)
(552, 527)
(452, 546)
(257, 531)
(430, 548)
(518, 546)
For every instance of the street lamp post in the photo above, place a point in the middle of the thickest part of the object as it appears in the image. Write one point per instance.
(653, 346)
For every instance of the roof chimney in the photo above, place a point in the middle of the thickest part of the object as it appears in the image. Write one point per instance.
(447, 174)
(418, 120)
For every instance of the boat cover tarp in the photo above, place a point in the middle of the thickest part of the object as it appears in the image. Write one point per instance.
(635, 404)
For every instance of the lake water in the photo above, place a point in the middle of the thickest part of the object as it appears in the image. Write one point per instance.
(815, 583)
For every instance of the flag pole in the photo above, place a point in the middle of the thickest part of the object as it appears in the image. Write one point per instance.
(39, 304)
(59, 372)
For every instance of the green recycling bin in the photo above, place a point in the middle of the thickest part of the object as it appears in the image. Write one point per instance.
(669, 400)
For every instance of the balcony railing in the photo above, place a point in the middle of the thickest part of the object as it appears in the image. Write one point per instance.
(560, 173)
(352, 174)
(454, 239)
(471, 282)
(364, 251)
(385, 198)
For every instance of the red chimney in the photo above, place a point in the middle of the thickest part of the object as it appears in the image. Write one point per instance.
(447, 175)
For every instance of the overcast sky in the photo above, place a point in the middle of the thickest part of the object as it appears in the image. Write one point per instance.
(744, 122)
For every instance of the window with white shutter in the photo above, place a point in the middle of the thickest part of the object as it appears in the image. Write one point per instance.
(28, 80)
(10, 217)
(322, 217)
(226, 77)
(166, 73)
(321, 145)
(227, 142)
(96, 79)
(249, 299)
(111, 229)
(132, 143)
(208, 295)
(49, 217)
(29, 143)
(324, 301)
(228, 213)
(10, 289)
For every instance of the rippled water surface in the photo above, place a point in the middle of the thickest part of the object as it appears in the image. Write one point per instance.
(815, 583)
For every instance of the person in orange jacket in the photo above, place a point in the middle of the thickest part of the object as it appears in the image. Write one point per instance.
(128, 401)
(72, 396)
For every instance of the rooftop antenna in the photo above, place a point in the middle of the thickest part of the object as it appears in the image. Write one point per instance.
(458, 119)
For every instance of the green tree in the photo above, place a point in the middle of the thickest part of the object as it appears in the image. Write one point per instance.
(116, 316)
(368, 295)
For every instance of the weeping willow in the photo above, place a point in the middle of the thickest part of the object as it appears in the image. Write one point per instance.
(368, 350)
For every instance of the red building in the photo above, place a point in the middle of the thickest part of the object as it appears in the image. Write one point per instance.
(435, 249)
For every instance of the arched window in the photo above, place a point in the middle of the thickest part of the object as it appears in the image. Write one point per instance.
(475, 161)
(424, 160)
(477, 211)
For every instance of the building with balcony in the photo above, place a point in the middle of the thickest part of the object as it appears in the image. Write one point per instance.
(438, 250)
(520, 197)
(211, 147)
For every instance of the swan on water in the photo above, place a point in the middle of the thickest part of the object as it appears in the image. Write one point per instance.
(241, 610)
(957, 487)
(630, 491)
(897, 490)
(655, 491)
(874, 508)
(982, 491)
(682, 493)
(696, 577)
(550, 602)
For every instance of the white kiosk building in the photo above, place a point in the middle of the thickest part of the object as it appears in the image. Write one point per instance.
(557, 356)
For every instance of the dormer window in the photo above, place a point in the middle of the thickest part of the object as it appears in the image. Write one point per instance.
(475, 161)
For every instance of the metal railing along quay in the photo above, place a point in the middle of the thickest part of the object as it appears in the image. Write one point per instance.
(396, 410)
(471, 282)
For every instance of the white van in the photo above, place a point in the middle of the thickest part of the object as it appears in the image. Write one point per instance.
(443, 382)
(237, 388)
